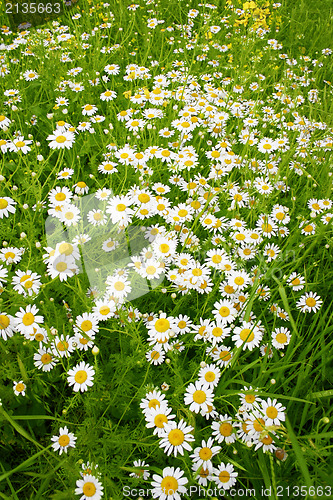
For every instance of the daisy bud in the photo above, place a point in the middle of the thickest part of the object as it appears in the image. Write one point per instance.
(49, 116)
(23, 235)
(14, 108)
(40, 157)
(235, 452)
(325, 420)
(33, 174)
(64, 411)
(51, 299)
(173, 295)
(95, 350)
(2, 178)
(54, 331)
(25, 206)
(71, 320)
(203, 364)
(273, 381)
(14, 188)
(4, 243)
(106, 131)
(167, 361)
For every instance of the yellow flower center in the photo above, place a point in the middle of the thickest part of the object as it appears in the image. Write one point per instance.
(104, 310)
(119, 286)
(271, 412)
(61, 267)
(226, 429)
(89, 489)
(64, 440)
(199, 397)
(259, 424)
(153, 403)
(224, 311)
(250, 398)
(205, 453)
(62, 345)
(20, 387)
(160, 420)
(121, 207)
(210, 376)
(162, 325)
(217, 331)
(176, 437)
(3, 204)
(239, 280)
(4, 322)
(60, 196)
(28, 319)
(281, 338)
(169, 484)
(46, 359)
(80, 376)
(60, 139)
(246, 336)
(310, 302)
(224, 476)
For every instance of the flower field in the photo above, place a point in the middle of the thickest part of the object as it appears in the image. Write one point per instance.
(166, 250)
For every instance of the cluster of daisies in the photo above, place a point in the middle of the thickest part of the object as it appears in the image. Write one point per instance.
(255, 423)
(214, 160)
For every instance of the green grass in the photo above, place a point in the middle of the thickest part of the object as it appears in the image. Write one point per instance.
(106, 419)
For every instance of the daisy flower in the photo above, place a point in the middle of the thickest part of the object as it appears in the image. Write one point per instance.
(63, 266)
(107, 167)
(224, 312)
(223, 430)
(199, 396)
(222, 355)
(273, 411)
(81, 377)
(61, 140)
(26, 283)
(28, 319)
(119, 209)
(308, 227)
(157, 418)
(296, 281)
(66, 173)
(89, 110)
(309, 302)
(203, 454)
(170, 485)
(7, 325)
(248, 336)
(142, 473)
(7, 206)
(249, 399)
(176, 437)
(60, 196)
(62, 346)
(118, 286)
(89, 487)
(224, 476)
(202, 475)
(63, 441)
(44, 359)
(210, 375)
(154, 399)
(69, 215)
(103, 310)
(19, 388)
(280, 337)
(155, 356)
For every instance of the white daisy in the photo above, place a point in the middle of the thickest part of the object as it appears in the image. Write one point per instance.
(63, 441)
(81, 377)
(176, 438)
